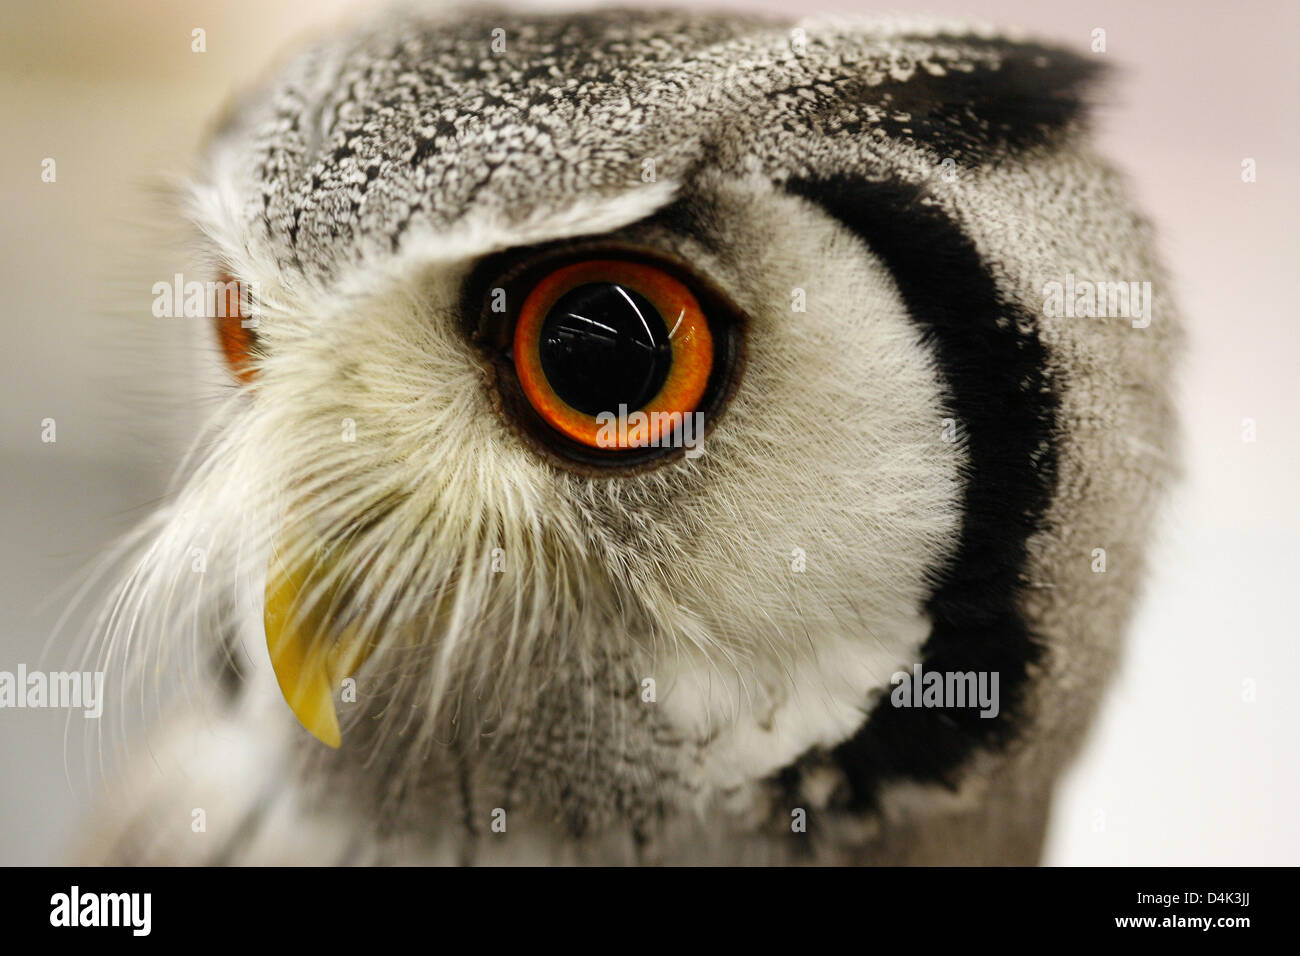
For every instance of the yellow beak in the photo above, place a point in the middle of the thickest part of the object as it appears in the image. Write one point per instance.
(309, 656)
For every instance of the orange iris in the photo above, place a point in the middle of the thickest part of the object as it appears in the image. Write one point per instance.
(688, 335)
(236, 342)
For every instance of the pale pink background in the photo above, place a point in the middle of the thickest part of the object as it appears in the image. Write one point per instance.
(1179, 770)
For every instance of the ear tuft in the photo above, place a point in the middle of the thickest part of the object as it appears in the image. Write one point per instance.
(1028, 93)
(971, 96)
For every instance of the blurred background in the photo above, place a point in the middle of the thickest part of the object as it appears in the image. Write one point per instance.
(1195, 757)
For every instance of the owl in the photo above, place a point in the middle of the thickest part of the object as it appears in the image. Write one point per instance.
(646, 437)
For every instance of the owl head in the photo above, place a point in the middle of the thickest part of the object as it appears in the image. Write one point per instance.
(619, 403)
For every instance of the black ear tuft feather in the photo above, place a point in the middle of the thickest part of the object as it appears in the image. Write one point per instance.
(1016, 96)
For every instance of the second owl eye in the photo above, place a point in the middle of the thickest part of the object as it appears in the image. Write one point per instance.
(599, 340)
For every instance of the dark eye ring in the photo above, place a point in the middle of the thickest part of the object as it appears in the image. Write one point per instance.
(610, 358)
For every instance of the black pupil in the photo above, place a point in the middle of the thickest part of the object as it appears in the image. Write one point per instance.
(604, 345)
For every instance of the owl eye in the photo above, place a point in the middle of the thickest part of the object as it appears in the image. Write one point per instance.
(605, 357)
(237, 341)
(599, 340)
